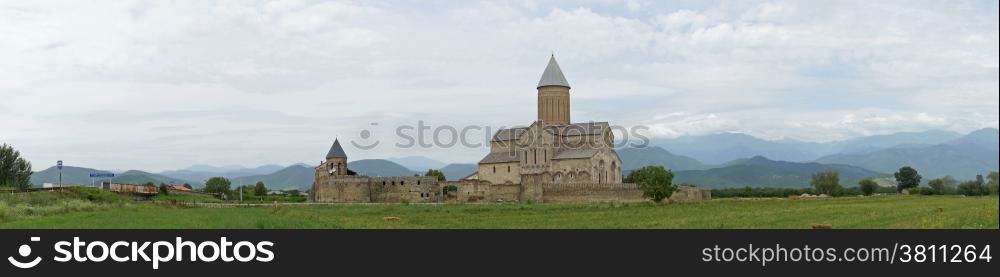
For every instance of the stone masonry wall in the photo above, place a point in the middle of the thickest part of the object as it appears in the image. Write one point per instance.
(359, 189)
(352, 189)
(584, 193)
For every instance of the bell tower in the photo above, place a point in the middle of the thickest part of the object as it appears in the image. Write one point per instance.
(553, 95)
(336, 160)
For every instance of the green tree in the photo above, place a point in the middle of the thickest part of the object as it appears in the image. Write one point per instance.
(994, 180)
(907, 178)
(868, 186)
(293, 192)
(943, 186)
(655, 182)
(188, 186)
(217, 185)
(15, 171)
(164, 190)
(436, 173)
(259, 189)
(826, 182)
(974, 188)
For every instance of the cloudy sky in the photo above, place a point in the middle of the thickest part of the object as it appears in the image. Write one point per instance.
(159, 85)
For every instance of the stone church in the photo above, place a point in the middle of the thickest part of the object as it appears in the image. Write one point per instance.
(552, 149)
(553, 160)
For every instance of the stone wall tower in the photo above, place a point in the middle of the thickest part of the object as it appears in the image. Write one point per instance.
(336, 160)
(553, 95)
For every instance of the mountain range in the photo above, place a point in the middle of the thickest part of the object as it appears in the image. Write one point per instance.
(762, 172)
(962, 158)
(719, 160)
(722, 148)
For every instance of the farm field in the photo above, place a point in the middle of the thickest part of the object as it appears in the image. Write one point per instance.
(884, 212)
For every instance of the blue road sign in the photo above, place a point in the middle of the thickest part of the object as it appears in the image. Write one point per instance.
(102, 175)
(59, 165)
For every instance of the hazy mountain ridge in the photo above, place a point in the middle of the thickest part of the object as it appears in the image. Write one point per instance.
(962, 158)
(635, 158)
(418, 163)
(722, 148)
(380, 167)
(762, 172)
(81, 176)
(233, 171)
(454, 172)
(292, 177)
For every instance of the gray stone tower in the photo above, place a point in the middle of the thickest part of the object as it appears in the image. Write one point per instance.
(336, 160)
(553, 95)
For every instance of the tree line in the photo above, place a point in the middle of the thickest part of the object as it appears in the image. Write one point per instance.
(907, 180)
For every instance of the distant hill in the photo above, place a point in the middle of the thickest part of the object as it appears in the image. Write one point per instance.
(292, 177)
(213, 169)
(721, 148)
(81, 175)
(198, 177)
(142, 177)
(635, 158)
(71, 175)
(879, 142)
(457, 171)
(379, 167)
(417, 163)
(762, 172)
(962, 158)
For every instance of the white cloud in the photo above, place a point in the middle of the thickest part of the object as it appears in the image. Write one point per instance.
(255, 82)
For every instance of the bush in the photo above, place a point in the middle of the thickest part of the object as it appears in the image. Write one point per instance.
(97, 195)
(943, 186)
(655, 182)
(907, 178)
(994, 181)
(218, 185)
(922, 191)
(826, 182)
(868, 186)
(437, 174)
(974, 188)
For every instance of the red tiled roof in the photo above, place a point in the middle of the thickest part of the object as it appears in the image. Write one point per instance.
(182, 188)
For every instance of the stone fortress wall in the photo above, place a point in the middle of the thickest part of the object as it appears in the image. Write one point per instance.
(352, 189)
(363, 189)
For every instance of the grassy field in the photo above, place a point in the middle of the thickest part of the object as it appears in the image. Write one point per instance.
(888, 212)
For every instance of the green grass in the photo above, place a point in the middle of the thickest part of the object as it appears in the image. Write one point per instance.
(890, 212)
(21, 206)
